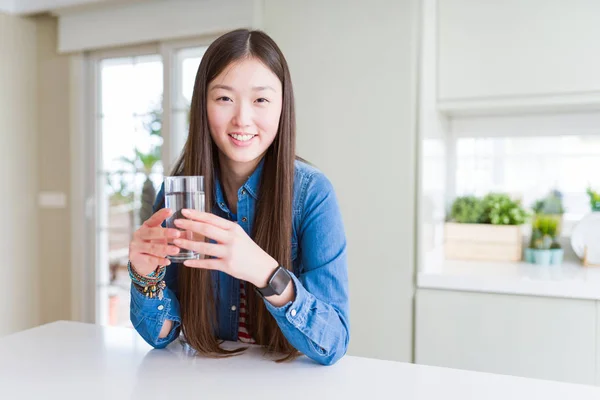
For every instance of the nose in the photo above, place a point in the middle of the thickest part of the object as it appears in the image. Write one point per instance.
(243, 115)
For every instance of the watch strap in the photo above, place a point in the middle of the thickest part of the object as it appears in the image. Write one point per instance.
(276, 284)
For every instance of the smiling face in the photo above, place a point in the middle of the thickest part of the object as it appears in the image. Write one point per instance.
(244, 106)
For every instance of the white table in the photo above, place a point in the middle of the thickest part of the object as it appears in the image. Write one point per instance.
(70, 360)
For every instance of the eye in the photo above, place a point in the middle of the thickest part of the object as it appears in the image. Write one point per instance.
(224, 98)
(262, 100)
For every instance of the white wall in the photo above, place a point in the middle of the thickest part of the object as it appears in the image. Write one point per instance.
(54, 169)
(7, 6)
(518, 48)
(353, 66)
(19, 294)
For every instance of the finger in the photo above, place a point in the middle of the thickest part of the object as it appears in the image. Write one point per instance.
(208, 249)
(145, 259)
(158, 233)
(209, 263)
(208, 218)
(158, 217)
(156, 249)
(210, 231)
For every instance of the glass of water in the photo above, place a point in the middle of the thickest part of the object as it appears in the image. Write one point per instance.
(184, 192)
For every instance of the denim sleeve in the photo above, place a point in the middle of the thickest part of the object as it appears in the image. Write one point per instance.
(148, 315)
(316, 322)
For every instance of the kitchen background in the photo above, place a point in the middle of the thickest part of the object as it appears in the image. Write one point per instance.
(462, 138)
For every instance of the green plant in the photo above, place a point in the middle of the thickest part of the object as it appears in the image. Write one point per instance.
(121, 193)
(500, 209)
(145, 162)
(551, 204)
(594, 199)
(466, 210)
(544, 232)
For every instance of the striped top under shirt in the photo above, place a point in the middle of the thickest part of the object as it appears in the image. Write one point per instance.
(243, 335)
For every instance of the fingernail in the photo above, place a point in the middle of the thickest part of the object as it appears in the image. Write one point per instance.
(177, 241)
(177, 222)
(186, 263)
(168, 262)
(185, 211)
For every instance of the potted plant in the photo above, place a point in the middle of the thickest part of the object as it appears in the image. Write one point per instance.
(487, 228)
(551, 205)
(467, 210)
(594, 199)
(544, 248)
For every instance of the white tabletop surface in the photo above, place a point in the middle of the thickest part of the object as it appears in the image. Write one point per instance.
(68, 360)
(569, 280)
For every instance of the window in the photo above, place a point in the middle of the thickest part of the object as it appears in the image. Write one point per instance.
(140, 110)
(128, 172)
(526, 156)
(529, 167)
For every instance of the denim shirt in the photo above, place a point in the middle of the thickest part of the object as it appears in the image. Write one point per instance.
(316, 322)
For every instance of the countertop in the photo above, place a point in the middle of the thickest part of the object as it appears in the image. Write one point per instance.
(568, 280)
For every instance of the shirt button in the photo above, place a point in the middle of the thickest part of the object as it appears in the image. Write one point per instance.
(222, 204)
(161, 307)
(293, 312)
(233, 308)
(243, 191)
(244, 219)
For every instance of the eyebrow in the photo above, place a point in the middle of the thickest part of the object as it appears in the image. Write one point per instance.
(255, 88)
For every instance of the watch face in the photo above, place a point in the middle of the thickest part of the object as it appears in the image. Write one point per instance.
(280, 280)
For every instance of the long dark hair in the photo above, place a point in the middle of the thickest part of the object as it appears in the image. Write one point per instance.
(273, 219)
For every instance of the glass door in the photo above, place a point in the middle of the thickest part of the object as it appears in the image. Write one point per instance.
(128, 172)
(141, 120)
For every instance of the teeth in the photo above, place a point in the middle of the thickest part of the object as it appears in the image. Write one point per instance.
(242, 138)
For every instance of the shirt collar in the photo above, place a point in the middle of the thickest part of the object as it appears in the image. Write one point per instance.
(252, 186)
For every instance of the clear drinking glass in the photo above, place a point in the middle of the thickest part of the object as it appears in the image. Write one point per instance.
(184, 192)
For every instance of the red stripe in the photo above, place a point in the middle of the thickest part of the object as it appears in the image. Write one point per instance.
(242, 327)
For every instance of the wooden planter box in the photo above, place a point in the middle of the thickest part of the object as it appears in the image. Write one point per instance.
(483, 242)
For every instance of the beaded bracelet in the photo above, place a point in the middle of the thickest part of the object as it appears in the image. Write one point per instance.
(150, 286)
(153, 291)
(153, 278)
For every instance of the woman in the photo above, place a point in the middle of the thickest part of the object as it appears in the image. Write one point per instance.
(276, 267)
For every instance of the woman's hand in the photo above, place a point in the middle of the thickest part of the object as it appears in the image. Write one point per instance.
(236, 253)
(149, 246)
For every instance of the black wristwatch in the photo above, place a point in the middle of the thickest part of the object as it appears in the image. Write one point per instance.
(276, 284)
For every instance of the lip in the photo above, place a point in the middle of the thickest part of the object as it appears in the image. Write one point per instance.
(239, 143)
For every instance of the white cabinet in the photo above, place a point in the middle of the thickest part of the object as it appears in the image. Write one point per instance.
(518, 49)
(598, 343)
(536, 337)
